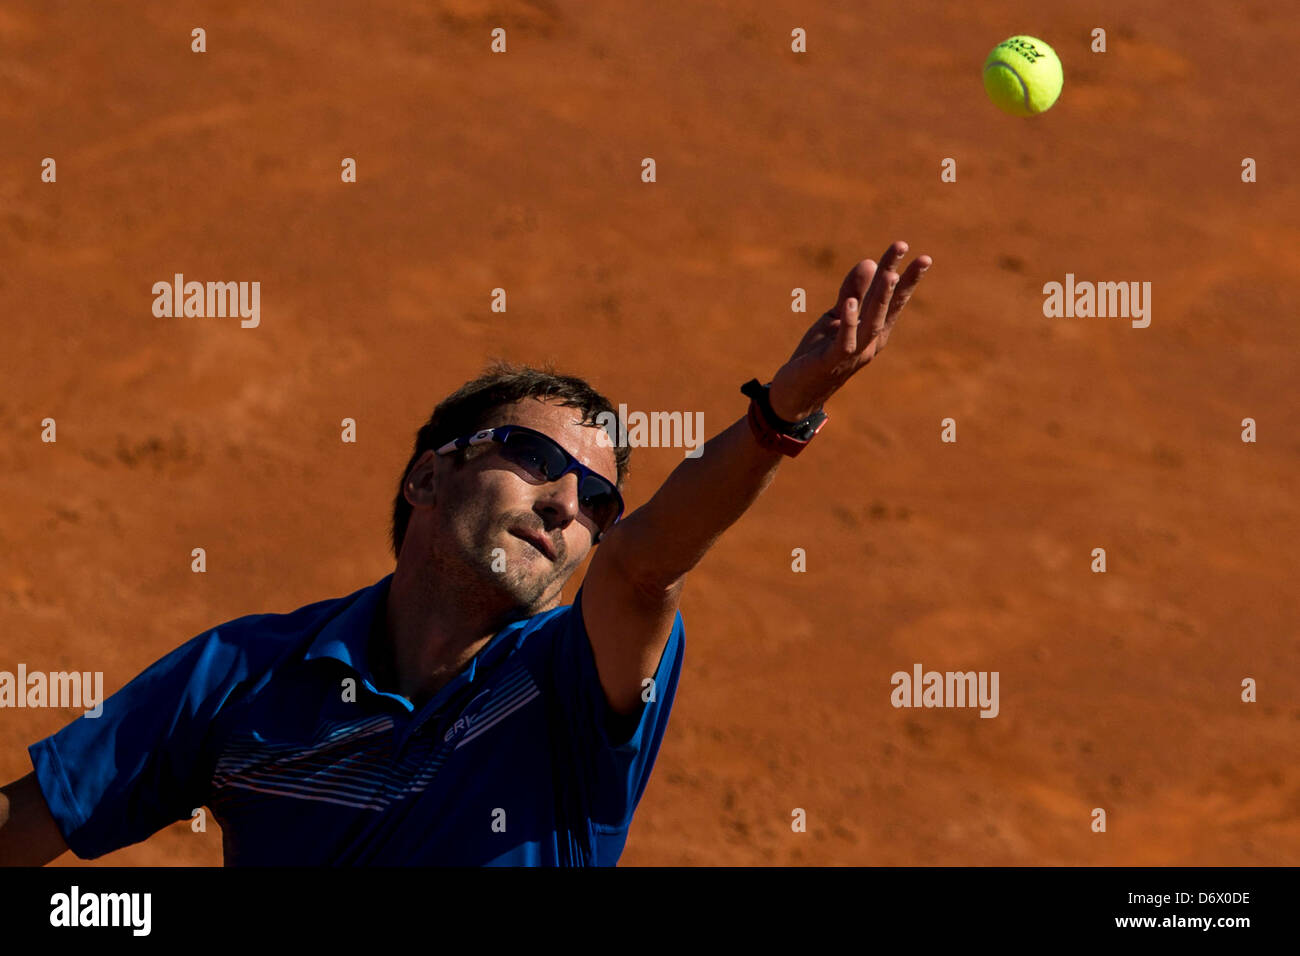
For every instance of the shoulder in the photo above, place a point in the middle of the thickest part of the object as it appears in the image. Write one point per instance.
(269, 633)
(253, 645)
(558, 641)
(567, 622)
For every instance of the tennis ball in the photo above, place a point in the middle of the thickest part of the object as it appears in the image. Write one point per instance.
(1023, 76)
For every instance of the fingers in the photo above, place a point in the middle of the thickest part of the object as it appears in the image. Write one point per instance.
(893, 255)
(877, 306)
(855, 285)
(880, 293)
(907, 284)
(847, 335)
(880, 277)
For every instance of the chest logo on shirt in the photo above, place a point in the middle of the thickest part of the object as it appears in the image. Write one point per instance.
(466, 720)
(491, 707)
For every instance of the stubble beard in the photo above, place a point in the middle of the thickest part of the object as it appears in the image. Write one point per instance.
(525, 582)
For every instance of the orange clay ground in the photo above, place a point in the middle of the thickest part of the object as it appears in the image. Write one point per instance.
(775, 171)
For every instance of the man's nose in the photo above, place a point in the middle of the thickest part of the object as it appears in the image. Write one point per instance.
(559, 500)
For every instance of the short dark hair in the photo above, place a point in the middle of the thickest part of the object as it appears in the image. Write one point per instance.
(471, 407)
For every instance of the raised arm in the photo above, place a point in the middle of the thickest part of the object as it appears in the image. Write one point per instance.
(633, 586)
(28, 834)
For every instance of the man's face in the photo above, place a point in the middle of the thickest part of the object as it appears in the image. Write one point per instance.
(490, 503)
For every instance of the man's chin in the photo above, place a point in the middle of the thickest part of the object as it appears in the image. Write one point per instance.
(526, 579)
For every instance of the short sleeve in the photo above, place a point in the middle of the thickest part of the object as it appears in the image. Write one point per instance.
(114, 779)
(616, 753)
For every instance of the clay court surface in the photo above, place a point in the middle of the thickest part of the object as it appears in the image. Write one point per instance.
(775, 171)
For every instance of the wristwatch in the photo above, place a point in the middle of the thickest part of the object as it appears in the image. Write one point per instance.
(777, 434)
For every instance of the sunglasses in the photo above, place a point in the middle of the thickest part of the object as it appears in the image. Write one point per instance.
(543, 458)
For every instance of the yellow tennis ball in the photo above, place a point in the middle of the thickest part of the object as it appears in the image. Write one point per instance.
(1023, 76)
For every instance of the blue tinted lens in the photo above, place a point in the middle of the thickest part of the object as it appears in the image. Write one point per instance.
(544, 459)
(600, 499)
(539, 456)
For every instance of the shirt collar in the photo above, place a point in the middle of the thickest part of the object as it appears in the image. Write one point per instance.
(345, 637)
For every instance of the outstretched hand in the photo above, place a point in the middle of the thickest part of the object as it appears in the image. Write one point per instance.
(848, 336)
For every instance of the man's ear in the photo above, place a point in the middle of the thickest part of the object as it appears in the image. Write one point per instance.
(423, 479)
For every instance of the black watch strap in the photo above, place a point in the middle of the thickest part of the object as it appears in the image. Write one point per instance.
(800, 431)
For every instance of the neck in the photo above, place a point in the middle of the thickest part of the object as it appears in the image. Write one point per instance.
(433, 624)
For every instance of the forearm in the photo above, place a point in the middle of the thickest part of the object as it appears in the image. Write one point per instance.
(669, 535)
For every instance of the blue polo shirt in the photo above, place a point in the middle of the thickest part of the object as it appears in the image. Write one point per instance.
(272, 721)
